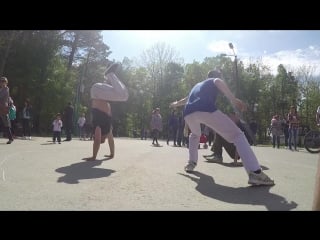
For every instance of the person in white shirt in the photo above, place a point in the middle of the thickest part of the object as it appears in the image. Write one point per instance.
(81, 123)
(57, 125)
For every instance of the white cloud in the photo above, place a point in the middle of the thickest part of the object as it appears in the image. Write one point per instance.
(291, 60)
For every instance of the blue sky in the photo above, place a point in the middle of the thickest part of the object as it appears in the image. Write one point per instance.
(293, 48)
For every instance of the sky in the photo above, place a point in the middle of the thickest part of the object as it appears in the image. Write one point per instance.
(292, 48)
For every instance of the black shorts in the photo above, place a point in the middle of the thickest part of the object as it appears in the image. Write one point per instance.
(102, 120)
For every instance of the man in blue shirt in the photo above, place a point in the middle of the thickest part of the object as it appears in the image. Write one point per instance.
(201, 108)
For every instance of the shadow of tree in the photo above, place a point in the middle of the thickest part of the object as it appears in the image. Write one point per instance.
(82, 170)
(253, 195)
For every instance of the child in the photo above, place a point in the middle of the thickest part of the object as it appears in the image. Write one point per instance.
(57, 125)
(81, 123)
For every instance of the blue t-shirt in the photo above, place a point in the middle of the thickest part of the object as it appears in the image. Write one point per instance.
(202, 97)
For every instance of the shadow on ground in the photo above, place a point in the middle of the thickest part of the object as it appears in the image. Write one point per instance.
(232, 164)
(258, 195)
(83, 170)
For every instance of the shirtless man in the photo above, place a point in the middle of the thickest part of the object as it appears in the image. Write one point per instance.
(111, 90)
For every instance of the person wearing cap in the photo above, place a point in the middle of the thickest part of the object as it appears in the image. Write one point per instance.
(201, 108)
(4, 107)
(112, 89)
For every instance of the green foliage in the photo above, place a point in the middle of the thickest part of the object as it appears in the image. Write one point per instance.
(54, 67)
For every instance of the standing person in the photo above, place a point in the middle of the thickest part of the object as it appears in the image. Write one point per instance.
(26, 119)
(254, 129)
(4, 107)
(276, 130)
(156, 126)
(293, 119)
(173, 125)
(57, 125)
(285, 127)
(12, 116)
(81, 123)
(201, 108)
(111, 90)
(68, 120)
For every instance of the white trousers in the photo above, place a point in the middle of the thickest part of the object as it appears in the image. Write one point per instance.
(226, 128)
(116, 92)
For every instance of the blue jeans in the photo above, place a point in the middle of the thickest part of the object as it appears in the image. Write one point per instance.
(293, 132)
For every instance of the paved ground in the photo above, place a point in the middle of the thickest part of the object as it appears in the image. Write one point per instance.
(38, 175)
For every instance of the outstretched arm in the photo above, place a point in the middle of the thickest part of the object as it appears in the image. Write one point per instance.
(226, 91)
(179, 103)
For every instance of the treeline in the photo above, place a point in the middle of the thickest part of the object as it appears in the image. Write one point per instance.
(52, 68)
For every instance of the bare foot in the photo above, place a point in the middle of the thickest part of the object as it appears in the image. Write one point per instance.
(109, 156)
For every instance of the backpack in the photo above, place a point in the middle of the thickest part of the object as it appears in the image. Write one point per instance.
(12, 113)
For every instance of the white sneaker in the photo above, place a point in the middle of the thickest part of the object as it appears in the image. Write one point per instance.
(190, 166)
(260, 179)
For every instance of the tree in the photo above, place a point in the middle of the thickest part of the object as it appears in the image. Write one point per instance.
(155, 60)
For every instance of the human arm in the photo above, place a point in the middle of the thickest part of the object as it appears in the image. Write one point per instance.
(179, 103)
(318, 116)
(220, 84)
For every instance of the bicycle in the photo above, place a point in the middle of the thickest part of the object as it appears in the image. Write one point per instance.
(312, 141)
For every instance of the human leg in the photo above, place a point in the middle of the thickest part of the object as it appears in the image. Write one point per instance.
(96, 142)
(290, 138)
(295, 131)
(217, 150)
(111, 145)
(228, 130)
(7, 127)
(194, 138)
(101, 124)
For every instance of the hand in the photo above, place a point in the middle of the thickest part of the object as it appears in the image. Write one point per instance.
(240, 105)
(173, 104)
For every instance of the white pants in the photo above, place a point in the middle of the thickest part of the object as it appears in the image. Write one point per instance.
(117, 91)
(226, 128)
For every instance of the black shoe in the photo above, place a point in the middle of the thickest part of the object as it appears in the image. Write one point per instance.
(10, 141)
(112, 68)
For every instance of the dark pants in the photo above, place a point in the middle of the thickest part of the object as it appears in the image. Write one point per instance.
(155, 134)
(274, 140)
(56, 135)
(219, 143)
(172, 133)
(68, 131)
(26, 127)
(6, 126)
